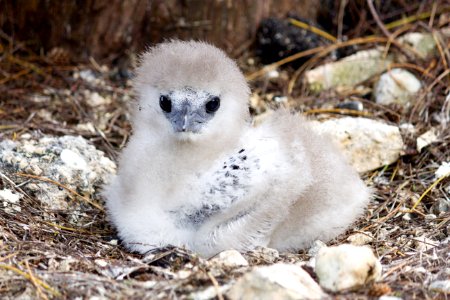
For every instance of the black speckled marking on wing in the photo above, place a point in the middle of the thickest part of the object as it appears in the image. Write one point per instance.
(228, 184)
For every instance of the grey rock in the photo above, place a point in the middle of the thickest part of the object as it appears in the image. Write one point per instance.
(397, 86)
(422, 44)
(360, 239)
(70, 161)
(349, 71)
(263, 254)
(368, 144)
(441, 206)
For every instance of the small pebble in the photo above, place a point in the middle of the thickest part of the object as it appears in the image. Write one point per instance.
(346, 267)
(315, 248)
(230, 258)
(360, 239)
(396, 86)
(423, 243)
(430, 217)
(100, 262)
(113, 242)
(426, 139)
(443, 170)
(407, 217)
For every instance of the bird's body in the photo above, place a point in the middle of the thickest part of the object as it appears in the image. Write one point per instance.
(196, 174)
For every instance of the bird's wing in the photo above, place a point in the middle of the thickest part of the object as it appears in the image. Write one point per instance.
(242, 195)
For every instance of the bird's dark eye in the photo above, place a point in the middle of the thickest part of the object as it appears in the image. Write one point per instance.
(212, 105)
(165, 103)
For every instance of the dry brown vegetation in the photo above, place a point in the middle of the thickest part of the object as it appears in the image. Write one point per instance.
(44, 255)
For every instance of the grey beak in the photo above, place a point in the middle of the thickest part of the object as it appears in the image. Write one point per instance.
(180, 118)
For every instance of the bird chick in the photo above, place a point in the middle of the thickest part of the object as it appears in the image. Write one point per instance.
(195, 173)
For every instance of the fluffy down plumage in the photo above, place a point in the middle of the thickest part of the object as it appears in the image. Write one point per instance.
(208, 180)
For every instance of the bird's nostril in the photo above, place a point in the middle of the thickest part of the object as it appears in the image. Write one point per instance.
(165, 103)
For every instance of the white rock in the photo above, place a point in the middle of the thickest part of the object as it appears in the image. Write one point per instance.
(101, 262)
(360, 239)
(114, 242)
(426, 139)
(406, 217)
(346, 266)
(230, 258)
(183, 274)
(73, 159)
(407, 128)
(396, 86)
(278, 281)
(8, 196)
(86, 75)
(10, 200)
(367, 144)
(423, 44)
(443, 170)
(349, 71)
(441, 286)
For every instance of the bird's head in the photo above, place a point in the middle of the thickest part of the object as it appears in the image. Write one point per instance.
(190, 91)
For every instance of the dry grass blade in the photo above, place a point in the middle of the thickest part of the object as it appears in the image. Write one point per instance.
(436, 182)
(440, 49)
(26, 65)
(35, 282)
(313, 29)
(44, 179)
(341, 111)
(28, 277)
(8, 256)
(407, 20)
(284, 61)
(216, 285)
(68, 228)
